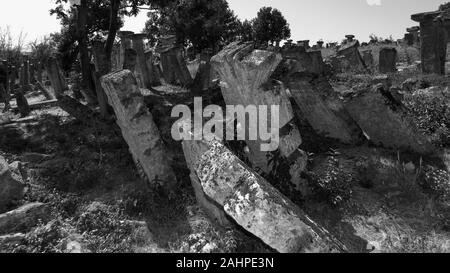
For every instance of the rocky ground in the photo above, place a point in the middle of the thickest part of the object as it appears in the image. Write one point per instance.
(90, 196)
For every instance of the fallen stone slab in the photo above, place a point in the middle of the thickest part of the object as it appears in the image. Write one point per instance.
(138, 127)
(24, 218)
(11, 189)
(41, 104)
(386, 120)
(253, 203)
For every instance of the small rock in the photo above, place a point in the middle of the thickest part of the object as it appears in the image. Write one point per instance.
(409, 84)
(11, 189)
(74, 244)
(410, 167)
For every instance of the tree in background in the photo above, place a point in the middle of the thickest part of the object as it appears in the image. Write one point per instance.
(270, 27)
(94, 20)
(202, 23)
(10, 48)
(246, 32)
(445, 6)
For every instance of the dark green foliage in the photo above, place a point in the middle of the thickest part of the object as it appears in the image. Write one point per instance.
(332, 181)
(432, 115)
(270, 26)
(202, 23)
(436, 180)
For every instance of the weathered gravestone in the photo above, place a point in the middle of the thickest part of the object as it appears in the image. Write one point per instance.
(414, 38)
(155, 73)
(368, 59)
(348, 57)
(138, 127)
(314, 95)
(173, 64)
(252, 202)
(142, 70)
(11, 189)
(56, 78)
(203, 79)
(125, 44)
(434, 37)
(388, 60)
(386, 120)
(245, 73)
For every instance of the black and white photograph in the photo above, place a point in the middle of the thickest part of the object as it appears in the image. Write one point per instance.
(226, 132)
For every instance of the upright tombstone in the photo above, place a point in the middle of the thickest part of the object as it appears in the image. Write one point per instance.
(317, 100)
(25, 74)
(252, 202)
(434, 37)
(386, 120)
(6, 82)
(32, 73)
(304, 43)
(22, 102)
(203, 79)
(245, 75)
(142, 68)
(388, 60)
(155, 74)
(138, 127)
(350, 38)
(320, 44)
(125, 44)
(173, 64)
(367, 56)
(415, 37)
(409, 39)
(56, 79)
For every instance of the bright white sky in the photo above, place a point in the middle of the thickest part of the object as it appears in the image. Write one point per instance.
(329, 20)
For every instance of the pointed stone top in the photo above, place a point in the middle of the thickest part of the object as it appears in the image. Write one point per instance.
(426, 16)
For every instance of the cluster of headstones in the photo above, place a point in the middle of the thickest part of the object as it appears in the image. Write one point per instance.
(236, 189)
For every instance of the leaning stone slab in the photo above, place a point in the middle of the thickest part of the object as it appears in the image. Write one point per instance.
(138, 127)
(349, 58)
(11, 189)
(317, 100)
(386, 120)
(245, 75)
(24, 218)
(253, 203)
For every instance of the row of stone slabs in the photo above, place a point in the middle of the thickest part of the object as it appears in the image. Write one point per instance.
(225, 186)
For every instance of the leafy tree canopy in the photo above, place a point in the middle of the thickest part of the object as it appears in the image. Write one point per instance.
(270, 26)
